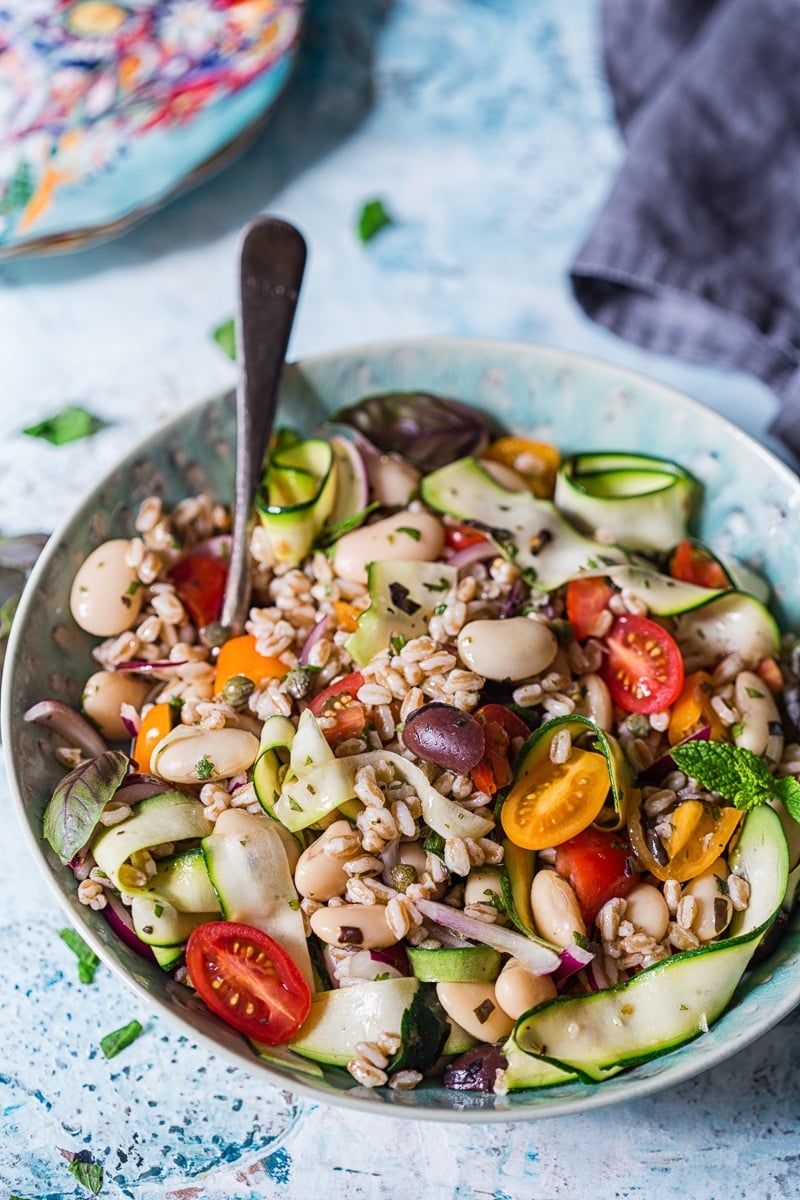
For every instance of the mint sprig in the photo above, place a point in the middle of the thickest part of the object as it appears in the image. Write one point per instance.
(736, 774)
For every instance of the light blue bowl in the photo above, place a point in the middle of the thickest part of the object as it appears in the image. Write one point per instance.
(750, 508)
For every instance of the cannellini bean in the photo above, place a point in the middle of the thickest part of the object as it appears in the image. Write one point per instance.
(517, 989)
(106, 596)
(483, 886)
(556, 911)
(320, 872)
(647, 911)
(104, 692)
(474, 1007)
(361, 925)
(595, 701)
(761, 729)
(393, 480)
(506, 476)
(516, 648)
(714, 907)
(388, 540)
(190, 754)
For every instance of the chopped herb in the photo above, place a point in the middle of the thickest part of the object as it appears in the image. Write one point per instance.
(158, 909)
(294, 806)
(484, 1011)
(737, 729)
(379, 978)
(88, 962)
(440, 608)
(176, 703)
(88, 1173)
(400, 597)
(225, 337)
(133, 587)
(529, 576)
(580, 939)
(397, 641)
(112, 1043)
(331, 533)
(754, 693)
(69, 425)
(412, 533)
(441, 586)
(372, 219)
(204, 769)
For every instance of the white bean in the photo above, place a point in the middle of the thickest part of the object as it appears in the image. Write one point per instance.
(388, 540)
(517, 989)
(556, 911)
(595, 701)
(506, 476)
(106, 596)
(320, 872)
(647, 911)
(516, 648)
(393, 480)
(474, 1007)
(104, 693)
(190, 754)
(361, 925)
(760, 729)
(483, 886)
(714, 907)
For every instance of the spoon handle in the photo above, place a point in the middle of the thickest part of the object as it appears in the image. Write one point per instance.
(272, 257)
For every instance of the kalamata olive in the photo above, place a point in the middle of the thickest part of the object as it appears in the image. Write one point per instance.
(476, 1070)
(442, 734)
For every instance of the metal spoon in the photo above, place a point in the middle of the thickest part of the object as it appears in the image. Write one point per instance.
(272, 257)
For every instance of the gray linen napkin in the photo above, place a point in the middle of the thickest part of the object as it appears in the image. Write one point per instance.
(696, 252)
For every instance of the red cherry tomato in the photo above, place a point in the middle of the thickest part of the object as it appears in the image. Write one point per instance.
(459, 537)
(199, 580)
(500, 726)
(250, 981)
(643, 666)
(339, 701)
(693, 563)
(587, 598)
(595, 863)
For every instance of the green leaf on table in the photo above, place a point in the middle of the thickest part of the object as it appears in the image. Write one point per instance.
(88, 1173)
(69, 425)
(733, 772)
(225, 337)
(88, 962)
(112, 1043)
(78, 800)
(373, 218)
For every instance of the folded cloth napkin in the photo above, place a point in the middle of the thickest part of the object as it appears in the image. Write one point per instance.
(697, 250)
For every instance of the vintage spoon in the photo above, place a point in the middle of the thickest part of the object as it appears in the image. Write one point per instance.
(272, 257)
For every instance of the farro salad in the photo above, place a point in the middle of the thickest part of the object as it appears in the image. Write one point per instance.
(498, 787)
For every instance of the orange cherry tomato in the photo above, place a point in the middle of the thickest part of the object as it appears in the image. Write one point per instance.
(238, 656)
(500, 726)
(537, 462)
(347, 615)
(155, 724)
(693, 563)
(553, 802)
(643, 666)
(248, 980)
(692, 710)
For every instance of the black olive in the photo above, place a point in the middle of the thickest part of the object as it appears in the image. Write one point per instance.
(476, 1070)
(444, 735)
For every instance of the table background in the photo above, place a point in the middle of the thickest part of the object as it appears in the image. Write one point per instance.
(487, 131)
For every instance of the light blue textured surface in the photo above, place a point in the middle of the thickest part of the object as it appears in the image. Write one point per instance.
(486, 129)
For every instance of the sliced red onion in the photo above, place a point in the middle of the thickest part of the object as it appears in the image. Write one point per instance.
(130, 718)
(477, 552)
(539, 957)
(139, 787)
(666, 763)
(119, 918)
(218, 546)
(138, 664)
(69, 724)
(394, 957)
(596, 977)
(353, 494)
(573, 959)
(81, 865)
(318, 632)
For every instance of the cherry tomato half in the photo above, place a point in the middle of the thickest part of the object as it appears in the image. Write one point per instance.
(500, 726)
(693, 563)
(199, 580)
(248, 980)
(643, 666)
(459, 537)
(587, 598)
(552, 802)
(339, 701)
(595, 863)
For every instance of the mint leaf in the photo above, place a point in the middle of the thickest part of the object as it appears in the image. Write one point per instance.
(69, 425)
(735, 773)
(76, 804)
(372, 220)
(225, 337)
(112, 1043)
(331, 533)
(787, 789)
(88, 962)
(87, 1173)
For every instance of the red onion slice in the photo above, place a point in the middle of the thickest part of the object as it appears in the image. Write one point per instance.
(138, 664)
(539, 957)
(69, 724)
(218, 546)
(352, 479)
(478, 552)
(130, 718)
(139, 787)
(573, 959)
(318, 632)
(119, 918)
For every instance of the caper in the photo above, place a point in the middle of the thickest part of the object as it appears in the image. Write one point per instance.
(403, 875)
(215, 634)
(237, 689)
(299, 681)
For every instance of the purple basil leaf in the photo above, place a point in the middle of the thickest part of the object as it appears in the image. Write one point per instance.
(429, 431)
(76, 804)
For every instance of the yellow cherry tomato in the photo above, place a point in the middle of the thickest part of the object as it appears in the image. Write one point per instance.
(693, 710)
(553, 802)
(537, 462)
(238, 656)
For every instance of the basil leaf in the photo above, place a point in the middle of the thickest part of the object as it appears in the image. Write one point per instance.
(88, 962)
(87, 1173)
(76, 804)
(225, 337)
(69, 425)
(372, 219)
(112, 1043)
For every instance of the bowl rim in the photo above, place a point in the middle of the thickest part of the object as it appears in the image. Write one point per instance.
(593, 1096)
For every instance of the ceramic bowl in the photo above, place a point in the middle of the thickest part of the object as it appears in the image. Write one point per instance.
(109, 109)
(751, 508)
